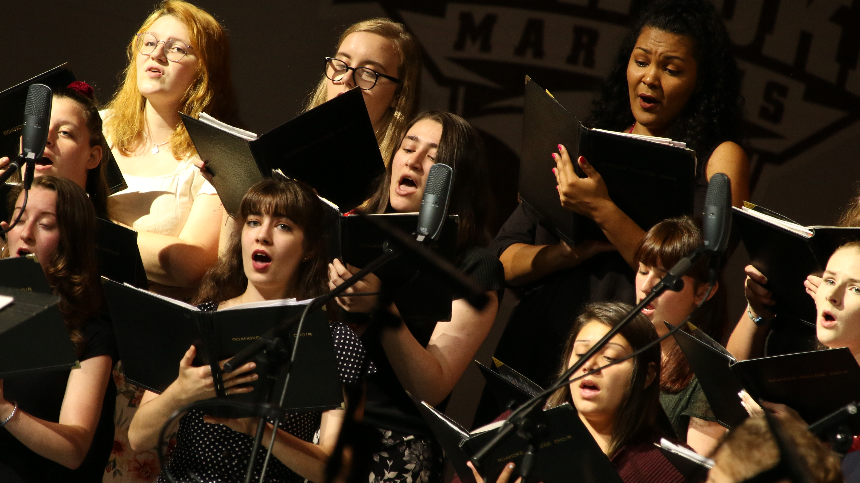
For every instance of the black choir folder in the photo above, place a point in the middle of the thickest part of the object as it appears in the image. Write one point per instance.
(12, 102)
(33, 337)
(24, 273)
(567, 452)
(420, 296)
(786, 253)
(650, 179)
(812, 383)
(332, 148)
(118, 254)
(509, 387)
(154, 332)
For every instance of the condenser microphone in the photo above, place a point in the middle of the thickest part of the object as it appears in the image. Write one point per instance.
(716, 228)
(717, 222)
(717, 217)
(34, 134)
(434, 204)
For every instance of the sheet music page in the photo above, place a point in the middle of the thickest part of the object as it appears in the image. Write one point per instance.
(4, 301)
(246, 135)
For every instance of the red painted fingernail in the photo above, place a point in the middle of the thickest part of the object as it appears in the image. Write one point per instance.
(560, 147)
(553, 171)
(556, 187)
(553, 156)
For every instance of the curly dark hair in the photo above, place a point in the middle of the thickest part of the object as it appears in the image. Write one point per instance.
(714, 112)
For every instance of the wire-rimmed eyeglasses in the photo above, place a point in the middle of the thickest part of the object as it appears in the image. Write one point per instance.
(174, 49)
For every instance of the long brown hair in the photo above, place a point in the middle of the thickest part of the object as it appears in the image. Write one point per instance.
(72, 271)
(462, 149)
(638, 412)
(664, 245)
(408, 71)
(211, 92)
(274, 196)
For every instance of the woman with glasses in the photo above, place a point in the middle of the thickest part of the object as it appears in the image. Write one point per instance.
(178, 62)
(383, 60)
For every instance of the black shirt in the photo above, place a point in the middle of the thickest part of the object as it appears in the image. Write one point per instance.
(388, 406)
(41, 395)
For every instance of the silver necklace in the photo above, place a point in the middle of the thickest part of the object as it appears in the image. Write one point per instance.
(154, 149)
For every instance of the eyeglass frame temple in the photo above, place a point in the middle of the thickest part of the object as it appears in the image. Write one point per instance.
(348, 68)
(163, 42)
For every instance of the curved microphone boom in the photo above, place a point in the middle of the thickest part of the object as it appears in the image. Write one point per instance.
(434, 204)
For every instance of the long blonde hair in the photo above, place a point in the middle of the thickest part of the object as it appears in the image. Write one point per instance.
(211, 92)
(408, 70)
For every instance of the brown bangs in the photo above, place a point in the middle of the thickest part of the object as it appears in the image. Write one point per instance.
(272, 197)
(667, 242)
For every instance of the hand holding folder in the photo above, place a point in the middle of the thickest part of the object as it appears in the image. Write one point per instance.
(197, 383)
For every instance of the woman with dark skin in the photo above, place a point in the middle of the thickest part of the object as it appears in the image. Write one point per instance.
(674, 76)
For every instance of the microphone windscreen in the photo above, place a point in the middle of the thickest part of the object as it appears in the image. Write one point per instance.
(37, 120)
(38, 101)
(434, 203)
(717, 217)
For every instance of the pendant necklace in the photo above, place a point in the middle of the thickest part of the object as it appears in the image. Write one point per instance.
(154, 149)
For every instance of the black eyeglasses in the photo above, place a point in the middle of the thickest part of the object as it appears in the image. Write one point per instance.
(366, 79)
(174, 49)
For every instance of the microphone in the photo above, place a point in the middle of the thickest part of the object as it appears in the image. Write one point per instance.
(717, 221)
(434, 204)
(34, 134)
(717, 217)
(716, 228)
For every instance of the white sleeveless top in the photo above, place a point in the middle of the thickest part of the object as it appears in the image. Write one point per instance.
(159, 204)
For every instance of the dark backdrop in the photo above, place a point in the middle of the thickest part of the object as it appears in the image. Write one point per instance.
(799, 61)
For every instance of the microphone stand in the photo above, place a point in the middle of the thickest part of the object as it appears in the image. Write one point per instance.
(524, 418)
(272, 339)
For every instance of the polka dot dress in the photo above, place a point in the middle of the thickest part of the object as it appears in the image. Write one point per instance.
(217, 454)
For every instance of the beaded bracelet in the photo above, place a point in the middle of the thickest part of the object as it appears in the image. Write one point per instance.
(14, 409)
(756, 320)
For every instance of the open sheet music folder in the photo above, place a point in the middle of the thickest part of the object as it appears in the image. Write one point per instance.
(567, 452)
(419, 296)
(812, 383)
(154, 332)
(786, 253)
(301, 148)
(649, 179)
